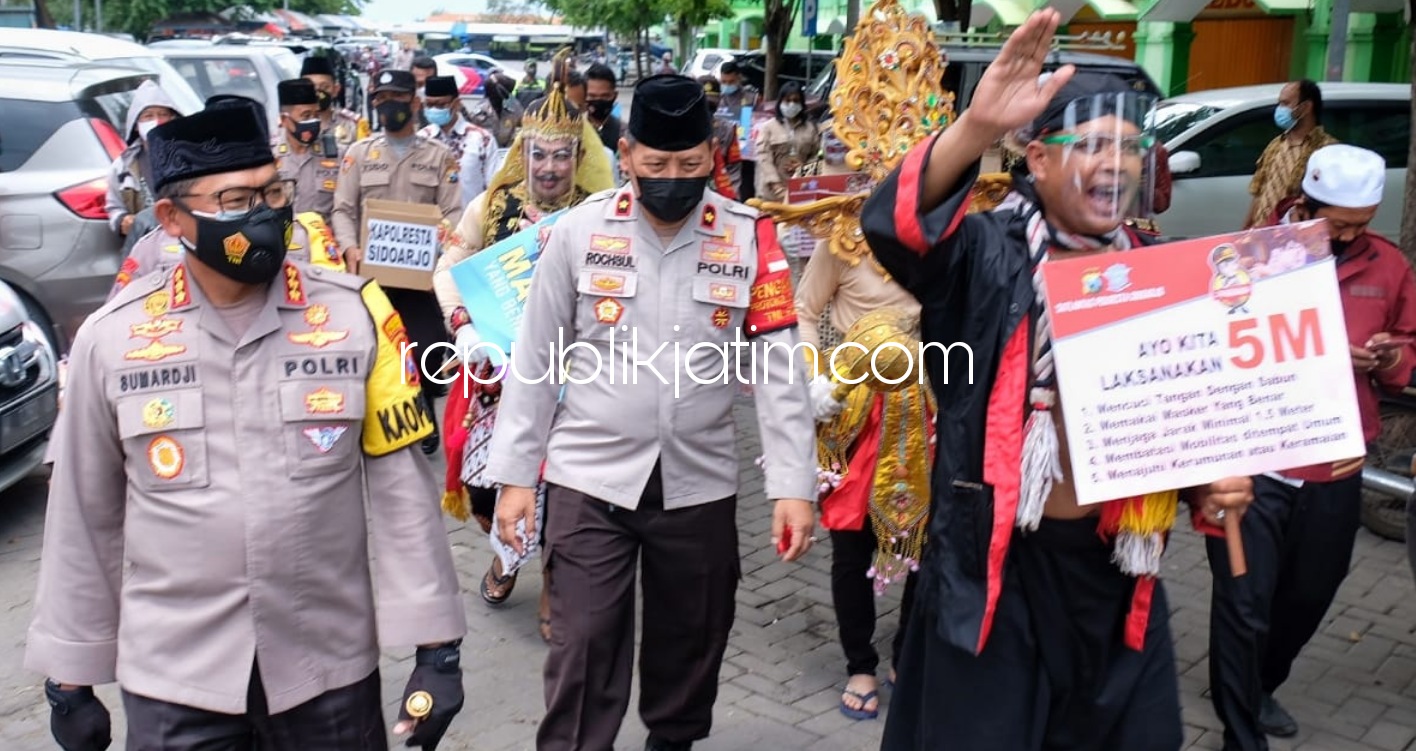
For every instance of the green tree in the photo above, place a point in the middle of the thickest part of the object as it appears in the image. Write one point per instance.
(778, 18)
(690, 15)
(137, 16)
(624, 18)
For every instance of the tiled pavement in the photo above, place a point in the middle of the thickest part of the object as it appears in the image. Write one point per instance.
(1353, 688)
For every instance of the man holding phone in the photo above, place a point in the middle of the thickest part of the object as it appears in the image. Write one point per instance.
(1299, 532)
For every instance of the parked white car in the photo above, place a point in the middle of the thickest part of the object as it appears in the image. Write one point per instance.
(246, 70)
(706, 62)
(1215, 139)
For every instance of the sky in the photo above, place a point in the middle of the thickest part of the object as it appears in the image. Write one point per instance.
(404, 11)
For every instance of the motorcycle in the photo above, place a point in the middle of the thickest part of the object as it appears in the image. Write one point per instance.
(1387, 484)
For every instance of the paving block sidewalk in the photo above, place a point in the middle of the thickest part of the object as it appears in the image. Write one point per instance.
(1354, 687)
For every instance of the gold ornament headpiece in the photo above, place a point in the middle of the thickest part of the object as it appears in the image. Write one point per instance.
(553, 119)
(889, 96)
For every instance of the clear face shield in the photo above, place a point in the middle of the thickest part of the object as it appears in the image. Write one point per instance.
(550, 167)
(1094, 162)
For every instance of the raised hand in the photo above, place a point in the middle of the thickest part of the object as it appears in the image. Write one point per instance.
(1009, 95)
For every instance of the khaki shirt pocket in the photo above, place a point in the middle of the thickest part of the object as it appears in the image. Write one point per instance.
(719, 305)
(374, 178)
(321, 421)
(164, 436)
(606, 302)
(426, 178)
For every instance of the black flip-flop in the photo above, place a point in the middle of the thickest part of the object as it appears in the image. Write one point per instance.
(508, 581)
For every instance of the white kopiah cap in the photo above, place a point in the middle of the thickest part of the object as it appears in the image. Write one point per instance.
(1345, 176)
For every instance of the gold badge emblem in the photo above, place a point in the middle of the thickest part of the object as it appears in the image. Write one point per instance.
(166, 457)
(154, 350)
(317, 316)
(158, 303)
(155, 329)
(236, 246)
(323, 401)
(158, 413)
(721, 317)
(608, 310)
(724, 292)
(607, 282)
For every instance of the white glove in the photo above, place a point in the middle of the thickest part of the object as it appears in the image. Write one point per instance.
(467, 349)
(824, 405)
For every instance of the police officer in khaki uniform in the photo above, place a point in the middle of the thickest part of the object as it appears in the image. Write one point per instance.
(346, 125)
(302, 153)
(398, 165)
(647, 469)
(207, 544)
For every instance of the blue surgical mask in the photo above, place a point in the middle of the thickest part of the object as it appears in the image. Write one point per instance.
(730, 88)
(1283, 118)
(439, 116)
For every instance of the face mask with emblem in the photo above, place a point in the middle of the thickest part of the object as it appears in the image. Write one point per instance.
(306, 131)
(248, 246)
(395, 114)
(600, 109)
(326, 101)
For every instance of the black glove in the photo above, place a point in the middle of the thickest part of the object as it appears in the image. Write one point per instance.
(438, 671)
(78, 720)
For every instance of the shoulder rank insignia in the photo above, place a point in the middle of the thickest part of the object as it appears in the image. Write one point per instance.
(710, 217)
(623, 205)
(294, 285)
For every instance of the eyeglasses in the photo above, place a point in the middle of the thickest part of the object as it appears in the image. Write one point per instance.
(1092, 144)
(241, 200)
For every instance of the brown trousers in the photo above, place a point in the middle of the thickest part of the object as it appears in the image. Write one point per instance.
(690, 575)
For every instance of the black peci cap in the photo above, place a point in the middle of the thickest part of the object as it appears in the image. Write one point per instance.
(440, 86)
(317, 65)
(297, 91)
(670, 113)
(227, 136)
(401, 81)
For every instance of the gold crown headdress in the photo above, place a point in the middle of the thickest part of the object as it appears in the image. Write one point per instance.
(553, 119)
(889, 96)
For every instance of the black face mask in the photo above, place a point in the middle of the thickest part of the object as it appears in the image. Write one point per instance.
(1339, 246)
(306, 131)
(251, 249)
(394, 114)
(670, 199)
(600, 109)
(326, 100)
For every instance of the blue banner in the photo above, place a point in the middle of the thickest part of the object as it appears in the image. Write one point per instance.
(494, 284)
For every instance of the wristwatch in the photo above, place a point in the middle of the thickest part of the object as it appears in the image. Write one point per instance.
(446, 658)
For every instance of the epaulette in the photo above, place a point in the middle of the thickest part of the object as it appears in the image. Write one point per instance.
(315, 275)
(603, 195)
(135, 290)
(741, 209)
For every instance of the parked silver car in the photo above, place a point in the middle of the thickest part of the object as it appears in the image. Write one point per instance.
(1215, 139)
(60, 124)
(29, 390)
(79, 47)
(247, 70)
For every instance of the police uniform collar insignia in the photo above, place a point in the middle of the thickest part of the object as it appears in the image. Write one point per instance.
(294, 287)
(624, 205)
(710, 217)
(181, 289)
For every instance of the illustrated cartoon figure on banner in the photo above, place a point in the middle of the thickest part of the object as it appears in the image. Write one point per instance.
(1232, 284)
